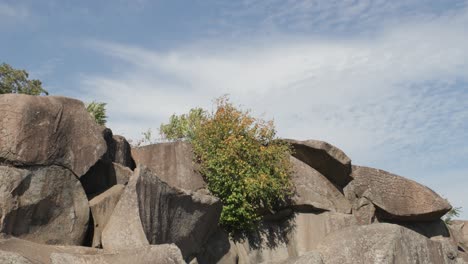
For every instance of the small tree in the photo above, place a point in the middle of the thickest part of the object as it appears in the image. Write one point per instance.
(243, 163)
(448, 217)
(98, 112)
(16, 81)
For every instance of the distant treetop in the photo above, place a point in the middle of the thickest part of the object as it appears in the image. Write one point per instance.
(16, 81)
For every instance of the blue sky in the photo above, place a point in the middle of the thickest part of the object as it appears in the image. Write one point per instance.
(386, 81)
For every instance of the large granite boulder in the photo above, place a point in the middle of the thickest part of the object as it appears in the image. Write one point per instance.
(310, 229)
(102, 176)
(37, 253)
(172, 162)
(13, 258)
(309, 258)
(160, 254)
(395, 197)
(119, 150)
(102, 207)
(151, 211)
(314, 191)
(43, 204)
(49, 130)
(383, 244)
(327, 159)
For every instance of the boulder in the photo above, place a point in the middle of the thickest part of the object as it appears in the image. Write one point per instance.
(12, 258)
(172, 162)
(219, 249)
(313, 190)
(102, 207)
(102, 176)
(43, 204)
(161, 254)
(310, 229)
(151, 211)
(395, 197)
(327, 159)
(49, 130)
(308, 258)
(459, 230)
(38, 253)
(381, 243)
(118, 150)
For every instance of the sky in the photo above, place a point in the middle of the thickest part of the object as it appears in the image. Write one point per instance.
(385, 81)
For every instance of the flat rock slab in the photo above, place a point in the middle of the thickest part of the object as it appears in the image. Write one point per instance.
(382, 244)
(102, 207)
(151, 211)
(49, 130)
(309, 258)
(43, 204)
(327, 159)
(37, 253)
(160, 254)
(172, 162)
(395, 197)
(315, 191)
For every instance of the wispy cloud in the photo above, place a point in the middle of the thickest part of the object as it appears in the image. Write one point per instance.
(396, 100)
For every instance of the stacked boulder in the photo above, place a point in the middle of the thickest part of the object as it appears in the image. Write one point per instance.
(72, 192)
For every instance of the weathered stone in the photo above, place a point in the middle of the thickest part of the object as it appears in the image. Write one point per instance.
(313, 190)
(102, 207)
(219, 249)
(327, 159)
(161, 254)
(310, 229)
(397, 198)
(308, 258)
(102, 176)
(459, 229)
(39, 253)
(12, 258)
(172, 162)
(43, 204)
(49, 130)
(152, 211)
(118, 150)
(381, 243)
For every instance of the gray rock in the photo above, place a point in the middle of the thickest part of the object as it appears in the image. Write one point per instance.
(102, 176)
(119, 151)
(43, 204)
(49, 130)
(308, 258)
(459, 230)
(313, 190)
(310, 229)
(218, 249)
(397, 198)
(327, 159)
(102, 207)
(382, 244)
(38, 253)
(160, 254)
(172, 162)
(152, 211)
(12, 258)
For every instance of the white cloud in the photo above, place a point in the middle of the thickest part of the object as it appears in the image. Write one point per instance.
(396, 101)
(13, 12)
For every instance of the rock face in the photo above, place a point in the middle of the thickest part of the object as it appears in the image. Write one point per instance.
(309, 258)
(102, 207)
(12, 258)
(161, 254)
(102, 176)
(395, 197)
(459, 230)
(330, 161)
(49, 130)
(313, 190)
(172, 162)
(38, 253)
(381, 243)
(152, 211)
(119, 151)
(43, 204)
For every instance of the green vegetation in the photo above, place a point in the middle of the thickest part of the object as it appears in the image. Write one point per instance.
(243, 163)
(98, 112)
(16, 81)
(455, 212)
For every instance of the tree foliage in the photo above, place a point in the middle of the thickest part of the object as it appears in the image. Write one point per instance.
(455, 212)
(16, 81)
(243, 163)
(98, 112)
(183, 126)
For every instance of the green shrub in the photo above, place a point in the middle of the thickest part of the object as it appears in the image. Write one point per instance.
(183, 126)
(16, 81)
(98, 112)
(243, 163)
(455, 212)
